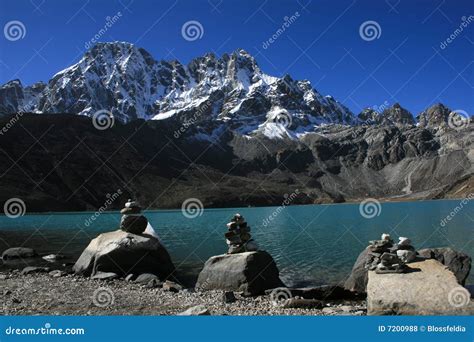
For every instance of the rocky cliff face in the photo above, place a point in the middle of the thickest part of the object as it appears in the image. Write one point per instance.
(74, 166)
(219, 129)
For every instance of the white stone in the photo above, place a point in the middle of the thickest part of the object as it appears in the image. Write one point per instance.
(199, 310)
(404, 241)
(385, 237)
(406, 255)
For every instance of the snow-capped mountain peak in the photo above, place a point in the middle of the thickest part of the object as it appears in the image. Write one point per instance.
(127, 81)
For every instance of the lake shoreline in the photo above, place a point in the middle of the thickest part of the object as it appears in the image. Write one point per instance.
(382, 200)
(69, 294)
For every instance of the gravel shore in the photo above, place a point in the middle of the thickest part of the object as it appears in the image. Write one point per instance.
(44, 294)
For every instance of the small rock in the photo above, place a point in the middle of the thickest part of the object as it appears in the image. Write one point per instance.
(34, 269)
(53, 257)
(199, 310)
(172, 286)
(406, 255)
(229, 297)
(328, 311)
(57, 273)
(16, 300)
(3, 277)
(295, 303)
(347, 308)
(129, 277)
(358, 313)
(404, 241)
(6, 292)
(145, 278)
(104, 276)
(154, 283)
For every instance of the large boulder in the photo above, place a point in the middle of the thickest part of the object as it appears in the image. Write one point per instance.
(357, 281)
(124, 253)
(429, 289)
(18, 253)
(250, 272)
(458, 263)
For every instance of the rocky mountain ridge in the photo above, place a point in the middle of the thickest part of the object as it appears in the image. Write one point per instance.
(217, 129)
(230, 92)
(62, 163)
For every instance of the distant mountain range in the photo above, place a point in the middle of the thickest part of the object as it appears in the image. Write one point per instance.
(268, 134)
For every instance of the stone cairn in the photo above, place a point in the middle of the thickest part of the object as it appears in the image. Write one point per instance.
(388, 257)
(132, 220)
(238, 236)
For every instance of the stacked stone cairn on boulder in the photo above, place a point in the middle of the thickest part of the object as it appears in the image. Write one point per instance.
(132, 220)
(389, 257)
(238, 236)
(133, 251)
(243, 268)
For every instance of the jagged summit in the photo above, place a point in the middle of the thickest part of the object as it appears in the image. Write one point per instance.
(435, 116)
(131, 84)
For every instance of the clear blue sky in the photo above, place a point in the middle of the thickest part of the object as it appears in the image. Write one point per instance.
(323, 44)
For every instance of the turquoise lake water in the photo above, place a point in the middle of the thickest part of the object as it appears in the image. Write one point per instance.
(312, 245)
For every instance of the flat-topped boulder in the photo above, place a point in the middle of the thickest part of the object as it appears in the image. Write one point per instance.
(249, 272)
(428, 288)
(124, 253)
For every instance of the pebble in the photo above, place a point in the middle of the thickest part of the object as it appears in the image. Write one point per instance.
(53, 257)
(145, 278)
(172, 286)
(57, 273)
(347, 308)
(104, 276)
